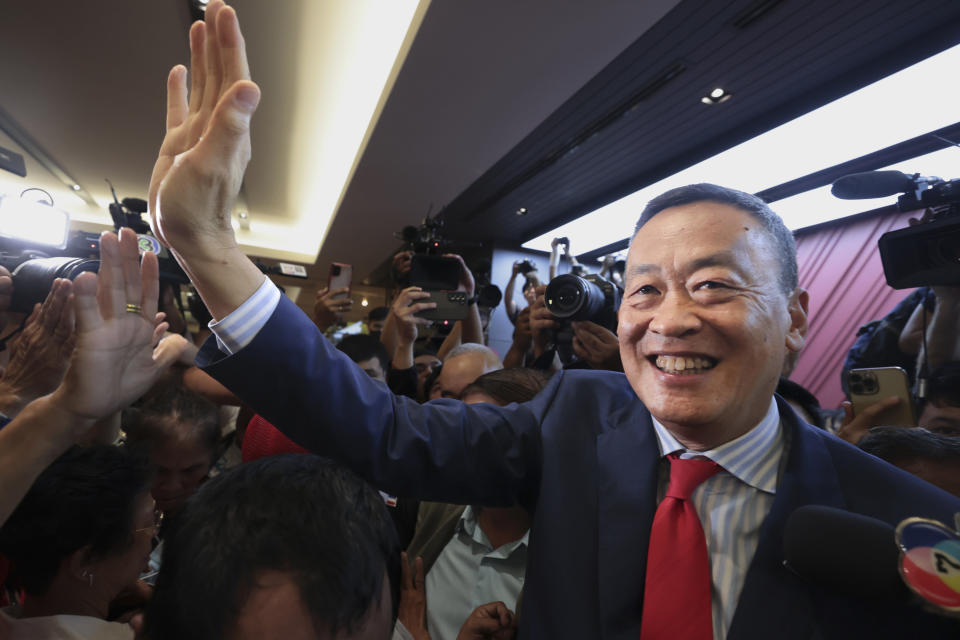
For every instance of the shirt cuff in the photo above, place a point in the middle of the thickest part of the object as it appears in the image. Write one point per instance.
(242, 325)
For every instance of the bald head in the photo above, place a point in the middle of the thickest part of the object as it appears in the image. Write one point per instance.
(463, 365)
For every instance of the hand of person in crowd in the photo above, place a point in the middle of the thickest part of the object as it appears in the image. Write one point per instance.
(855, 427)
(596, 345)
(522, 333)
(402, 262)
(115, 361)
(541, 322)
(411, 301)
(516, 268)
(491, 620)
(328, 307)
(39, 355)
(467, 283)
(412, 611)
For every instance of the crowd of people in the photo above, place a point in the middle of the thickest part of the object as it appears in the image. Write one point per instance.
(253, 480)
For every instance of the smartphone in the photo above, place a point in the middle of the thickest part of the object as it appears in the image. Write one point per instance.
(341, 276)
(870, 386)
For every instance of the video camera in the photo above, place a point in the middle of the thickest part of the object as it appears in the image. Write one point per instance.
(34, 265)
(573, 298)
(439, 275)
(923, 255)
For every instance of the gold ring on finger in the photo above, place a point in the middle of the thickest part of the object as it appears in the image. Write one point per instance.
(133, 308)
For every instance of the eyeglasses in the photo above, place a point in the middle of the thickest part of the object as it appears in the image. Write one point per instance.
(157, 521)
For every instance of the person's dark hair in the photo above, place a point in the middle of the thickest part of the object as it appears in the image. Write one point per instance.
(509, 385)
(943, 387)
(783, 240)
(899, 445)
(793, 392)
(363, 347)
(85, 498)
(378, 313)
(423, 350)
(430, 380)
(171, 411)
(299, 514)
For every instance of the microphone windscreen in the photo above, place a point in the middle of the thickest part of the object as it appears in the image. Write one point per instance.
(871, 184)
(851, 553)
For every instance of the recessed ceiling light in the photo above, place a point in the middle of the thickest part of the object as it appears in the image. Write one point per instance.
(522, 211)
(706, 100)
(75, 187)
(717, 93)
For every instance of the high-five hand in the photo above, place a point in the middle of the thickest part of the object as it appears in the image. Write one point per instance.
(202, 160)
(114, 360)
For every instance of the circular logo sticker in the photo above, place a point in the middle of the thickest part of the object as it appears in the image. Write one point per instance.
(147, 243)
(930, 561)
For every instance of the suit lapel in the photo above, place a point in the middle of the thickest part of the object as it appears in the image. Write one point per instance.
(774, 602)
(627, 463)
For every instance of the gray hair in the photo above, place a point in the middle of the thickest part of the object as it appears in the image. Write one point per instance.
(782, 238)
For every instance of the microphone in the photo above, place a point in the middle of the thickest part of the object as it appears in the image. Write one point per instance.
(851, 553)
(875, 184)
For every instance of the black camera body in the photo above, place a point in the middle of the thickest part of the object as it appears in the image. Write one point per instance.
(575, 298)
(526, 267)
(927, 254)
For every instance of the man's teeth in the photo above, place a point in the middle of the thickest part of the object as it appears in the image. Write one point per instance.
(676, 364)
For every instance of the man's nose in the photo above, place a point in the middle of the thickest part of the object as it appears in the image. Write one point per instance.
(675, 316)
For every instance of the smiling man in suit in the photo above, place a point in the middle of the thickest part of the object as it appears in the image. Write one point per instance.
(659, 496)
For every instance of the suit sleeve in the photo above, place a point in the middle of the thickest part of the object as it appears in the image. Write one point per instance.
(443, 451)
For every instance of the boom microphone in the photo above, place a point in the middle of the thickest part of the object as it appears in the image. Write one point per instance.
(851, 553)
(875, 184)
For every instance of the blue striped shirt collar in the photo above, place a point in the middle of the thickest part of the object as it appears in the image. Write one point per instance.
(753, 458)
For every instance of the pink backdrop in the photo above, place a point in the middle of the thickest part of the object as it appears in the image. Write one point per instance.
(840, 267)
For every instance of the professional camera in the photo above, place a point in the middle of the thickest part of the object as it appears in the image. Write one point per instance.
(526, 267)
(573, 298)
(923, 255)
(34, 264)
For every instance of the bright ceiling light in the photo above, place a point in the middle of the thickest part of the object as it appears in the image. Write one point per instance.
(716, 93)
(33, 223)
(874, 117)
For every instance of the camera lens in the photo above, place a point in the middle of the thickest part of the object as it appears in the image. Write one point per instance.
(572, 297)
(32, 279)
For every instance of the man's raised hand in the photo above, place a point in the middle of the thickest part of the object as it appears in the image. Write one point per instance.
(207, 145)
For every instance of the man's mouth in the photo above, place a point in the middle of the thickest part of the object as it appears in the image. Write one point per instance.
(683, 365)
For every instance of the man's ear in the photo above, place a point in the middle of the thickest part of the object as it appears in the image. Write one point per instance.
(79, 563)
(798, 307)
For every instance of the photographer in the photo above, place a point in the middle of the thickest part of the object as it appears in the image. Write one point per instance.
(530, 283)
(555, 244)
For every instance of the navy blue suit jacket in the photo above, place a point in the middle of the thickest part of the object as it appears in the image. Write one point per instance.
(583, 457)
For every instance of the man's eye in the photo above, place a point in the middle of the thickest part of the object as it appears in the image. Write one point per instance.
(711, 285)
(646, 290)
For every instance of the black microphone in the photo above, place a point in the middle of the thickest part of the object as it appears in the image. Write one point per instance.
(874, 184)
(851, 553)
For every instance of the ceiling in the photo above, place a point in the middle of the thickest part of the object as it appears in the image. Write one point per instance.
(481, 108)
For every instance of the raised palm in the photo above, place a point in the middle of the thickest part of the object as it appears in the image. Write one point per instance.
(114, 361)
(207, 145)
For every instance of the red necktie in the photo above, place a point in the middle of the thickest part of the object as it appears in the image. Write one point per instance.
(676, 596)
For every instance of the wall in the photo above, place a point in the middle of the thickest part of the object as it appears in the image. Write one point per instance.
(500, 332)
(840, 267)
